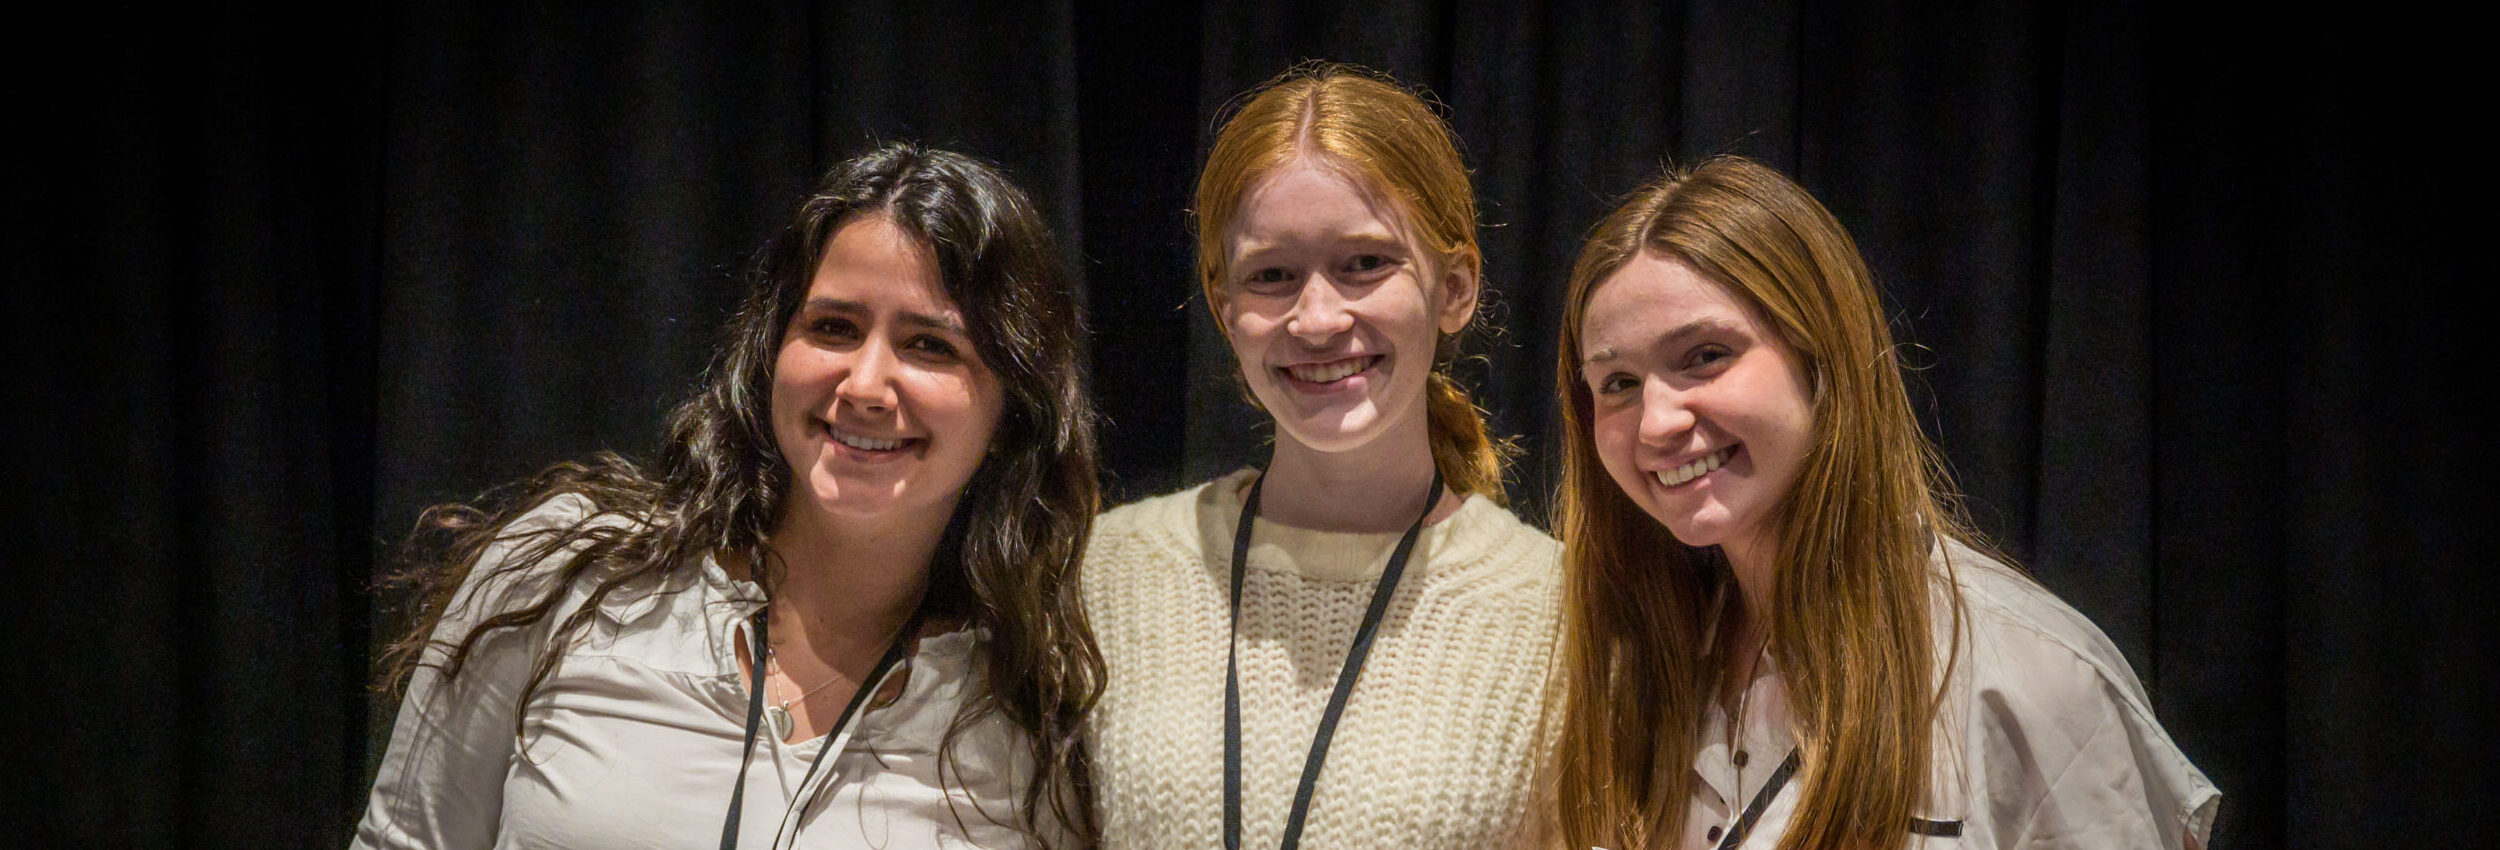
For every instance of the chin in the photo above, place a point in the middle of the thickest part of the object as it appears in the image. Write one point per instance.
(1333, 431)
(1695, 539)
(847, 496)
(1706, 527)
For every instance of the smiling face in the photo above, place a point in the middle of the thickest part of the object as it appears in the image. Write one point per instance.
(1702, 415)
(879, 403)
(1333, 307)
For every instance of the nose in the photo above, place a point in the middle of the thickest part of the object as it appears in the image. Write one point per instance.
(869, 385)
(1319, 312)
(1666, 414)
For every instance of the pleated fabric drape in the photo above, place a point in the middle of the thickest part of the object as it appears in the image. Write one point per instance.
(2175, 281)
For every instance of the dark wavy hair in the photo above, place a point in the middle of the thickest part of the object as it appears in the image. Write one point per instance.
(1012, 548)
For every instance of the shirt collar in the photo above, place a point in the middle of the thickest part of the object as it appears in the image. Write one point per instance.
(1765, 739)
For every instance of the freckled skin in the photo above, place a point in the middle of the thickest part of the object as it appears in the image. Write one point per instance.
(1322, 271)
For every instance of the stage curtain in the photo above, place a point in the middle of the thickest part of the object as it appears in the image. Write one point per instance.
(2178, 285)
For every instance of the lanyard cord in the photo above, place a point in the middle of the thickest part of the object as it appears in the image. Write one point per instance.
(755, 712)
(1345, 678)
(1761, 800)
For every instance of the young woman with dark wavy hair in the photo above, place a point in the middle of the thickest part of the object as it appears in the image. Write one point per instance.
(841, 612)
(1782, 631)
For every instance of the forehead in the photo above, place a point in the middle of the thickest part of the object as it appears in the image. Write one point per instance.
(1654, 295)
(1308, 201)
(871, 261)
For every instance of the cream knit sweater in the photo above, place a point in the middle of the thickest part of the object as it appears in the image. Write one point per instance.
(1446, 729)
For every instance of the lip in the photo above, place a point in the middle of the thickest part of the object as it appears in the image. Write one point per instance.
(1365, 367)
(834, 440)
(1724, 455)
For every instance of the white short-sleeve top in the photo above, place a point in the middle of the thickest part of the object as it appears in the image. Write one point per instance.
(634, 740)
(2045, 739)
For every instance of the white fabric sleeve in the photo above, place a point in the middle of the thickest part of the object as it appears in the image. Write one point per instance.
(2118, 792)
(2100, 770)
(441, 781)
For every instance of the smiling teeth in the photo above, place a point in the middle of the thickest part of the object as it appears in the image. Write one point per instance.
(1324, 373)
(1696, 469)
(865, 444)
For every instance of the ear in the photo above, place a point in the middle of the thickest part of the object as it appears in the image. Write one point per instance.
(1460, 285)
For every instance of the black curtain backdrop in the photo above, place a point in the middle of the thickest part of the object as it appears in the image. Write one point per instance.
(2179, 283)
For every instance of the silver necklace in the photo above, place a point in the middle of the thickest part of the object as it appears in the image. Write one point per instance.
(1736, 755)
(779, 715)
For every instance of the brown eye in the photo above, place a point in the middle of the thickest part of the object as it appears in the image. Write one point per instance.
(1708, 356)
(933, 347)
(833, 327)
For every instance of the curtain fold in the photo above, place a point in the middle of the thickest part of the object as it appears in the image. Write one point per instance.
(2171, 280)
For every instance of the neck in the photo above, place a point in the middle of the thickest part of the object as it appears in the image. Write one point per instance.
(1378, 488)
(1752, 565)
(846, 587)
(1755, 575)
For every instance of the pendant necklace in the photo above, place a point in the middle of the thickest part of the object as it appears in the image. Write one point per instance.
(1737, 757)
(779, 715)
(836, 738)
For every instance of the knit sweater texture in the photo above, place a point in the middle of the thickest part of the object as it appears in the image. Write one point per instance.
(1448, 726)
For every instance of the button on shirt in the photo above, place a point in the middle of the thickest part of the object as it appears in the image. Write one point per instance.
(2045, 739)
(634, 740)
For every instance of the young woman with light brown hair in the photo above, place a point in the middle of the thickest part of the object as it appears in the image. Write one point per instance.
(1351, 647)
(1782, 631)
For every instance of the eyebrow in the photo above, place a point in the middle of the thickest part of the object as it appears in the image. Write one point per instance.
(1384, 242)
(922, 320)
(1682, 332)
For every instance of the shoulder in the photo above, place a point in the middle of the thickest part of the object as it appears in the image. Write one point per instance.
(1176, 522)
(529, 555)
(561, 519)
(1484, 529)
(947, 666)
(1485, 549)
(2054, 709)
(942, 693)
(2019, 635)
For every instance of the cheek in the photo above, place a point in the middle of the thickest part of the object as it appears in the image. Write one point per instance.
(1242, 329)
(1788, 421)
(988, 410)
(1249, 334)
(789, 388)
(1398, 305)
(958, 404)
(1616, 432)
(1245, 338)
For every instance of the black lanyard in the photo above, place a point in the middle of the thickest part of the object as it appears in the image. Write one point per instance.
(1779, 779)
(755, 713)
(1363, 635)
(1761, 800)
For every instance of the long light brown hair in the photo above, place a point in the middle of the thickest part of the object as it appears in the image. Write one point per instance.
(1850, 626)
(1391, 139)
(1008, 561)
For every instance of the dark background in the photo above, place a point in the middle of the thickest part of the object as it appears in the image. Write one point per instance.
(2183, 284)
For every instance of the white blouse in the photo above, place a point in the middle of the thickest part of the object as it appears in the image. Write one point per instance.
(634, 740)
(2045, 740)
